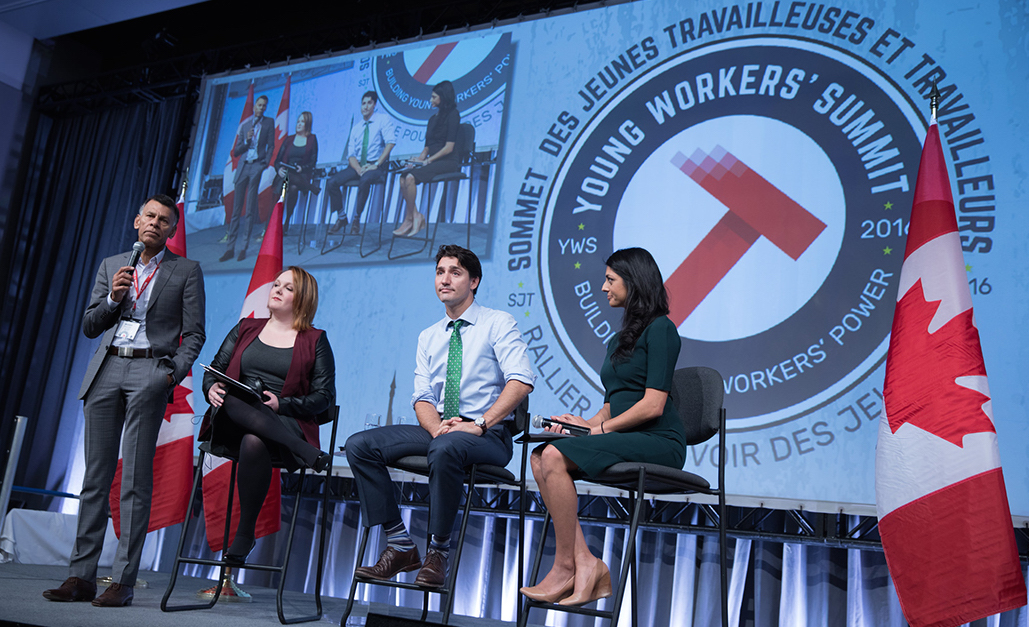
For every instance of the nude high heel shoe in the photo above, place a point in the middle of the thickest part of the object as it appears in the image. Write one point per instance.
(418, 226)
(598, 586)
(535, 594)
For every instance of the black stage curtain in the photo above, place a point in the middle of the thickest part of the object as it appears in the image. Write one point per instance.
(83, 179)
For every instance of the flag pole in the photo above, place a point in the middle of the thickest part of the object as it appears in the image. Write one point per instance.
(934, 101)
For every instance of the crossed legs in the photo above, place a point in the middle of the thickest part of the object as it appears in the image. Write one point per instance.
(413, 221)
(255, 462)
(577, 576)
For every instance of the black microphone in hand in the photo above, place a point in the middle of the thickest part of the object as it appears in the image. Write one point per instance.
(137, 250)
(540, 422)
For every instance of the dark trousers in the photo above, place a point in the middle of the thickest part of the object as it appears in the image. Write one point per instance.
(296, 186)
(258, 436)
(130, 394)
(343, 177)
(247, 187)
(369, 452)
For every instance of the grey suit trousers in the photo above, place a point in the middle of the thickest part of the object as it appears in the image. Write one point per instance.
(248, 185)
(131, 394)
(369, 452)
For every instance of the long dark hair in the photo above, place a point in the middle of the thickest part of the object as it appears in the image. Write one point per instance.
(447, 96)
(645, 299)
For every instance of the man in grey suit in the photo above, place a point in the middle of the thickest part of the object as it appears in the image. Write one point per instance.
(255, 140)
(142, 312)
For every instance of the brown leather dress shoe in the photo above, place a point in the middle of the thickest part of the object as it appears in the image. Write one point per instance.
(390, 563)
(115, 596)
(73, 589)
(339, 225)
(434, 570)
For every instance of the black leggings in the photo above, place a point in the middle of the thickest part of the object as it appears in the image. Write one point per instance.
(263, 430)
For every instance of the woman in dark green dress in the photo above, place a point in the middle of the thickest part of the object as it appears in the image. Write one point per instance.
(638, 423)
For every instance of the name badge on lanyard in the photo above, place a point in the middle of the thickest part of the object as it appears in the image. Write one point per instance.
(127, 326)
(127, 329)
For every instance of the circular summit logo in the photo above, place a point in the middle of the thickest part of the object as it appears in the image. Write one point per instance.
(477, 67)
(772, 180)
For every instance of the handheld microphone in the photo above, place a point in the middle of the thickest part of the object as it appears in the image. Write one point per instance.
(137, 250)
(540, 422)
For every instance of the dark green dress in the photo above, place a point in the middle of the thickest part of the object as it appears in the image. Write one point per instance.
(658, 441)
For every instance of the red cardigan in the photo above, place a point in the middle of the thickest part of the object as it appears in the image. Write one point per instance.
(298, 378)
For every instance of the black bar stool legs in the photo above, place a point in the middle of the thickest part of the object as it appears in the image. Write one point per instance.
(333, 415)
(446, 591)
(182, 540)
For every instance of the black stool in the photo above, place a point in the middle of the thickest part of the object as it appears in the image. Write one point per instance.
(697, 394)
(477, 475)
(331, 415)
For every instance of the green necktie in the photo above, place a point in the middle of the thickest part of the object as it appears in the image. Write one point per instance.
(452, 389)
(364, 145)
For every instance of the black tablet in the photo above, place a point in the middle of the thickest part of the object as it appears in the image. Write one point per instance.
(241, 389)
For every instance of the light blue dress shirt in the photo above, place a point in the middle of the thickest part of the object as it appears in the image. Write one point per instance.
(494, 353)
(381, 131)
(138, 314)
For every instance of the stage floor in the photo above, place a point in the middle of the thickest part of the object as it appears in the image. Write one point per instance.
(23, 604)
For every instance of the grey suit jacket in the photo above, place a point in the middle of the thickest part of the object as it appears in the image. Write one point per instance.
(265, 142)
(176, 309)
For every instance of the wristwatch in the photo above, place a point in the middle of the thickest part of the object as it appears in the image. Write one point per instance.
(480, 422)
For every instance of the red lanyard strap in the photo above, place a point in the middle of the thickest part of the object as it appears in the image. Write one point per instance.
(139, 290)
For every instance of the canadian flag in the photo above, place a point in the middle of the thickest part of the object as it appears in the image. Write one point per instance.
(217, 470)
(282, 122)
(266, 269)
(265, 195)
(943, 511)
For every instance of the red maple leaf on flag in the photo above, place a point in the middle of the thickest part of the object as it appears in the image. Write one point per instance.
(922, 368)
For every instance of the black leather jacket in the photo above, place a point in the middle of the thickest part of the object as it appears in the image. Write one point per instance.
(321, 393)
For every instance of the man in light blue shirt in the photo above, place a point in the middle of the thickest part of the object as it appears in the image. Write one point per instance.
(459, 424)
(368, 148)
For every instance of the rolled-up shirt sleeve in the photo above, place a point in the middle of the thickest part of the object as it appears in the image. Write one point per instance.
(423, 390)
(389, 131)
(511, 351)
